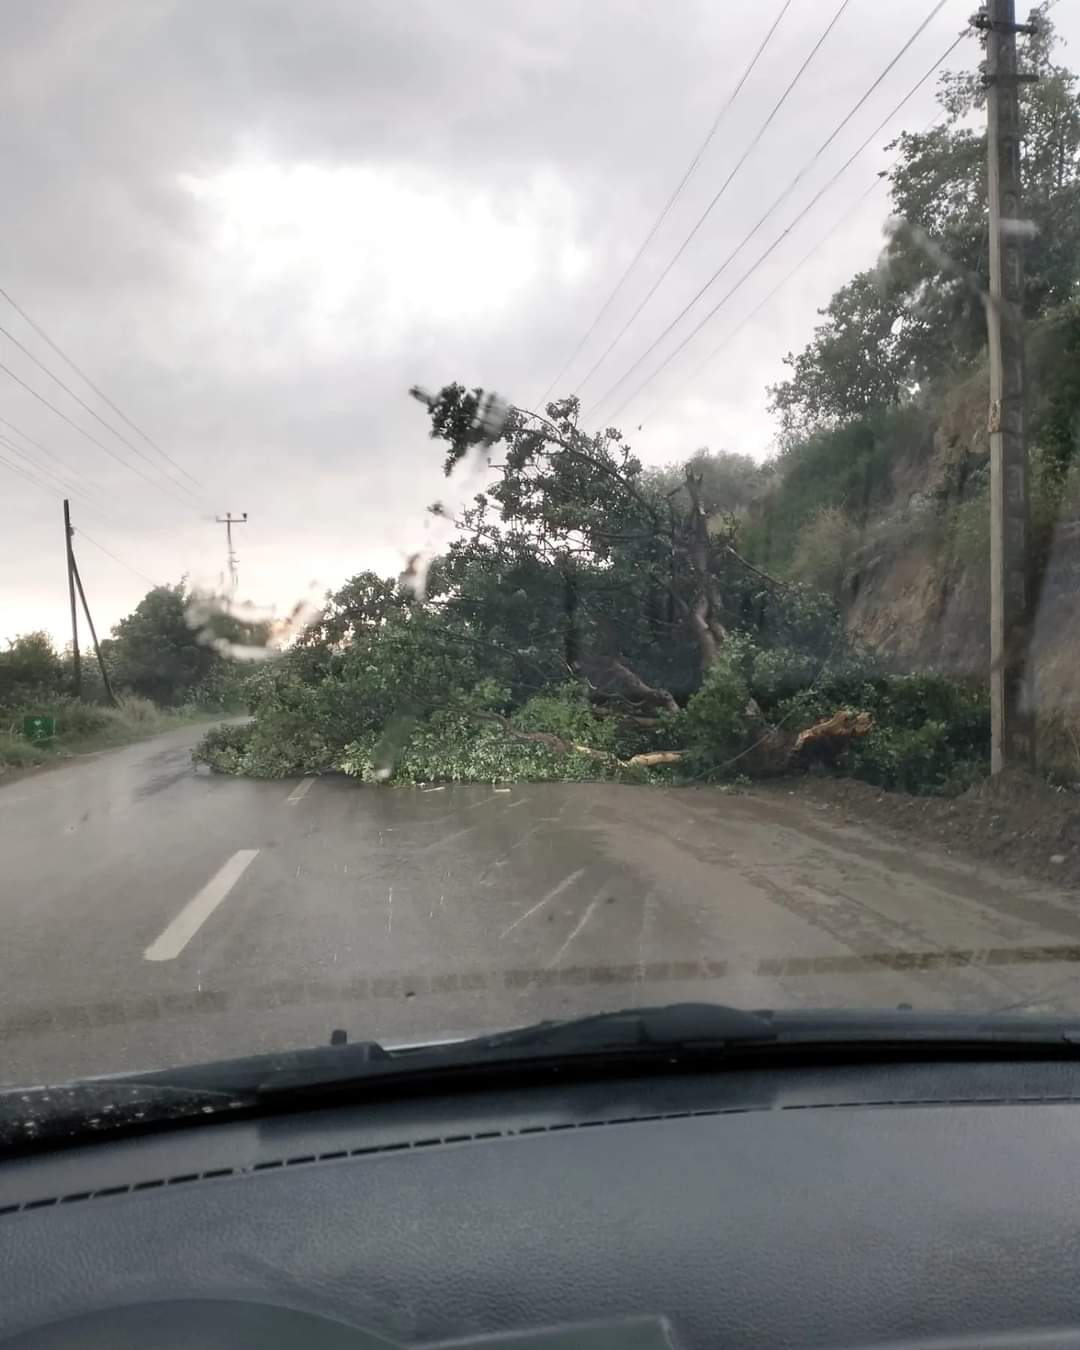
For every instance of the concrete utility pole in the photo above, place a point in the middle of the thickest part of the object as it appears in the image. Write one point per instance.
(229, 520)
(1011, 715)
(76, 658)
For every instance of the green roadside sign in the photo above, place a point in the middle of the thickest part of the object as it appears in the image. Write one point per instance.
(39, 728)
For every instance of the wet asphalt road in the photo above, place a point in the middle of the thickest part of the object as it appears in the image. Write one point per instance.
(151, 915)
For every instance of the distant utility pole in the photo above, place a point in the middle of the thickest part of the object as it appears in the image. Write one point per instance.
(76, 658)
(1012, 741)
(75, 580)
(229, 520)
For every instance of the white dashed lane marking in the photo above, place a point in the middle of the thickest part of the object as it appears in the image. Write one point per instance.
(544, 900)
(197, 910)
(300, 790)
(580, 925)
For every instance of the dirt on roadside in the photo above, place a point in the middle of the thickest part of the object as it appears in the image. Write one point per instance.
(1017, 821)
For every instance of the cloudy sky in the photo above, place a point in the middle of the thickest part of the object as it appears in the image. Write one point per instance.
(254, 223)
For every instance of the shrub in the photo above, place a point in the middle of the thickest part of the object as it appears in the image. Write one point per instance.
(16, 752)
(75, 719)
(923, 760)
(139, 711)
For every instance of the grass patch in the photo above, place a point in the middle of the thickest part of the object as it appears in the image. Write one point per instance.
(82, 728)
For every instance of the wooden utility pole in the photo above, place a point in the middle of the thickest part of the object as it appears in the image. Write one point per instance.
(93, 636)
(1012, 741)
(229, 520)
(74, 580)
(76, 658)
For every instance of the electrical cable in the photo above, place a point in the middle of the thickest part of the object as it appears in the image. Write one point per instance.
(97, 416)
(734, 332)
(54, 483)
(76, 477)
(670, 203)
(723, 188)
(109, 554)
(52, 491)
(92, 439)
(787, 192)
(100, 392)
(784, 233)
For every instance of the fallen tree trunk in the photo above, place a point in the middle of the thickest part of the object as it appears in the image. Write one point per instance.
(773, 752)
(830, 733)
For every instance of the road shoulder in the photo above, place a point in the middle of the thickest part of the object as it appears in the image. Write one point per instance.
(1018, 825)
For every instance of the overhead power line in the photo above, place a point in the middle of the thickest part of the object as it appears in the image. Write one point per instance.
(97, 390)
(50, 489)
(783, 197)
(93, 413)
(109, 554)
(716, 198)
(69, 469)
(798, 219)
(691, 167)
(65, 484)
(734, 332)
(749, 318)
(154, 482)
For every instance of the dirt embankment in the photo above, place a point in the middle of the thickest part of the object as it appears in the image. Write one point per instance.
(1017, 822)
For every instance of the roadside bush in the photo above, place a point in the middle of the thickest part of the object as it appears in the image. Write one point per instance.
(924, 760)
(139, 711)
(16, 752)
(75, 719)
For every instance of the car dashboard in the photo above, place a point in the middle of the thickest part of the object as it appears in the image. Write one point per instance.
(854, 1205)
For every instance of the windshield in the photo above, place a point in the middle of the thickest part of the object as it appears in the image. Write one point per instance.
(522, 511)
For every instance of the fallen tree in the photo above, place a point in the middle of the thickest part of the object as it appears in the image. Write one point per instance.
(586, 620)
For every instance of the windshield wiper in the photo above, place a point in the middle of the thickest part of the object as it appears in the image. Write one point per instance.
(647, 1040)
(73, 1112)
(672, 1026)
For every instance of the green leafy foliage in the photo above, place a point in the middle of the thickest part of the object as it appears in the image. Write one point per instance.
(716, 724)
(465, 743)
(224, 748)
(566, 712)
(931, 734)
